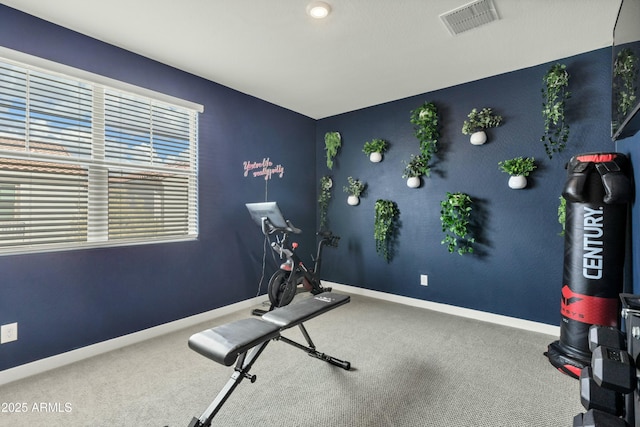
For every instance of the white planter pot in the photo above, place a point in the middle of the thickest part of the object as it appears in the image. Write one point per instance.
(478, 138)
(375, 157)
(353, 200)
(413, 182)
(517, 182)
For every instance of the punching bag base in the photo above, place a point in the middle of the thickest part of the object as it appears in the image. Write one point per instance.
(565, 360)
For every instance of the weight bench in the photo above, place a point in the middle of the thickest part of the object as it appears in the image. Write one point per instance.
(242, 341)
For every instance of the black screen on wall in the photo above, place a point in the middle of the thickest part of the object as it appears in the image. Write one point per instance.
(625, 104)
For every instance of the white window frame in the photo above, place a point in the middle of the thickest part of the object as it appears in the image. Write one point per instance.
(99, 167)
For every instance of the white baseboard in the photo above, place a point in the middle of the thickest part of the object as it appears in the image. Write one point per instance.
(450, 309)
(63, 359)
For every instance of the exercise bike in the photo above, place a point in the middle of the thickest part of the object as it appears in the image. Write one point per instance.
(293, 272)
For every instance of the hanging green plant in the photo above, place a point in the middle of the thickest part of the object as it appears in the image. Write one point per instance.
(562, 214)
(425, 121)
(455, 213)
(554, 98)
(355, 187)
(385, 225)
(332, 142)
(375, 146)
(518, 166)
(416, 167)
(480, 120)
(625, 75)
(519, 169)
(323, 199)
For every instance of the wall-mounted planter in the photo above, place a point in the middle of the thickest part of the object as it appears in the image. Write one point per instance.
(477, 122)
(323, 200)
(455, 214)
(425, 122)
(332, 142)
(518, 169)
(413, 182)
(517, 182)
(478, 138)
(414, 169)
(385, 225)
(355, 190)
(375, 148)
(375, 157)
(554, 99)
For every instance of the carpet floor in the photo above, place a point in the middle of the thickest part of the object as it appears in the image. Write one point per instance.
(410, 367)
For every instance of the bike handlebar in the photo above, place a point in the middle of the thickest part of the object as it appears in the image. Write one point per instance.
(326, 236)
(269, 228)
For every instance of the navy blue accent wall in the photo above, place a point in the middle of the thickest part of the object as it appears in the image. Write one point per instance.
(631, 147)
(70, 299)
(517, 270)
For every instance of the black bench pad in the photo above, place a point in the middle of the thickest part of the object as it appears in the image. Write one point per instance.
(299, 312)
(224, 343)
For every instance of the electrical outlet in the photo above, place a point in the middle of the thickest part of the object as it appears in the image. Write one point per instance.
(8, 333)
(424, 280)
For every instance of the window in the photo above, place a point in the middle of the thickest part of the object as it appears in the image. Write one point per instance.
(86, 164)
(7, 201)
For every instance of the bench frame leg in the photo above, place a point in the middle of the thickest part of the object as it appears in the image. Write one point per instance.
(241, 371)
(245, 362)
(310, 349)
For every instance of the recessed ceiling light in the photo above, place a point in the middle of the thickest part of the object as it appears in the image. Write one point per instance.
(318, 9)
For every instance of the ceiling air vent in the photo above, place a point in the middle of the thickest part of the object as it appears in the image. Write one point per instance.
(469, 16)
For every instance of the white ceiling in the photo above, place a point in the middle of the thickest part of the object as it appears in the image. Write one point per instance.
(365, 53)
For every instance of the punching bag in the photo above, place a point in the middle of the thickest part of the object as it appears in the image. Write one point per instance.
(597, 191)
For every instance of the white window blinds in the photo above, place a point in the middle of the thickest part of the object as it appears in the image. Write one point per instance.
(84, 164)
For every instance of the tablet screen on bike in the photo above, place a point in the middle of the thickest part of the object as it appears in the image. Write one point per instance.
(268, 210)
